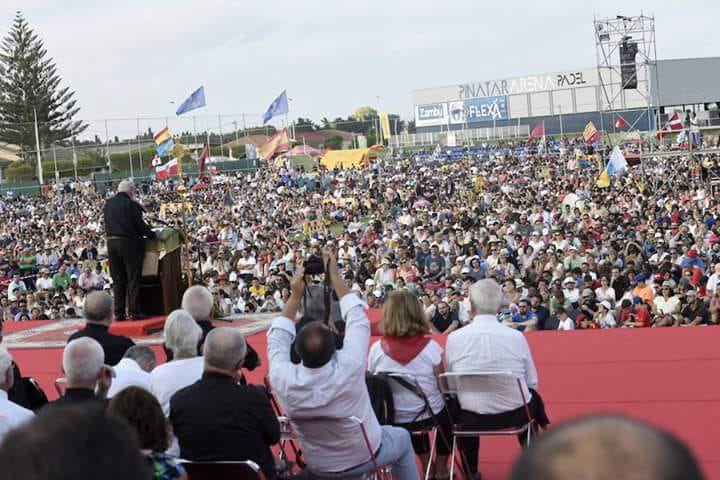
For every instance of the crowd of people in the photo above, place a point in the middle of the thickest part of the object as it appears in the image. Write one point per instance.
(570, 255)
(123, 415)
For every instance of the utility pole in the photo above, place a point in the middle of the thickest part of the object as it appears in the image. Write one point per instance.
(37, 149)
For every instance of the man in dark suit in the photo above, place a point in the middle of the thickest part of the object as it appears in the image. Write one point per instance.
(215, 418)
(87, 377)
(125, 230)
(98, 316)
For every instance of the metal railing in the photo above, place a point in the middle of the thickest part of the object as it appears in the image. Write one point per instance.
(461, 137)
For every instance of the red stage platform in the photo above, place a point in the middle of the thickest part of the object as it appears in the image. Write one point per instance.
(665, 376)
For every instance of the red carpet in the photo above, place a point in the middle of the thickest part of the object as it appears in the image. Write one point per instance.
(665, 376)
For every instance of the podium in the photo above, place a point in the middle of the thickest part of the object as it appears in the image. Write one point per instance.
(161, 288)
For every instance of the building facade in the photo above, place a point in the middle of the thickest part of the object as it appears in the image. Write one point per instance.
(567, 101)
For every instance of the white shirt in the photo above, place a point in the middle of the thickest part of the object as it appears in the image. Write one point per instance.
(168, 378)
(486, 345)
(44, 283)
(566, 324)
(12, 415)
(671, 305)
(422, 368)
(713, 283)
(128, 374)
(336, 390)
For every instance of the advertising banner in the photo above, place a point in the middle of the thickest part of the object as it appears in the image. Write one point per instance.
(431, 114)
(479, 110)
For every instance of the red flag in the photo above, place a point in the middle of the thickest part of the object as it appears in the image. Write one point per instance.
(673, 123)
(201, 160)
(538, 131)
(620, 122)
(199, 185)
(163, 172)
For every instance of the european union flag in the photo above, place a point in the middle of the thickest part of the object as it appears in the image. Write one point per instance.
(196, 100)
(277, 107)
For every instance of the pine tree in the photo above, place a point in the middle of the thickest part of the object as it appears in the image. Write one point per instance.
(29, 81)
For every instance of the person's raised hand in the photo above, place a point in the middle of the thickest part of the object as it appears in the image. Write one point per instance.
(330, 261)
(297, 284)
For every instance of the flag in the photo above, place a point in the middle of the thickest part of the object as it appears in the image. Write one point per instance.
(617, 162)
(385, 125)
(278, 106)
(591, 134)
(620, 122)
(202, 159)
(163, 172)
(199, 185)
(538, 131)
(163, 142)
(603, 180)
(673, 123)
(156, 161)
(277, 144)
(195, 100)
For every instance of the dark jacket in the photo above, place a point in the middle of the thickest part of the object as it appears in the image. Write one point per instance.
(215, 419)
(114, 346)
(123, 218)
(74, 396)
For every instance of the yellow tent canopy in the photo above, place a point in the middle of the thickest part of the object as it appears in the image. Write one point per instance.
(354, 158)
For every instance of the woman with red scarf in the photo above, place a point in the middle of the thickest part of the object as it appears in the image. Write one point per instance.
(406, 348)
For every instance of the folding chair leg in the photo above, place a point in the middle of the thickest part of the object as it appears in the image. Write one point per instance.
(452, 459)
(432, 453)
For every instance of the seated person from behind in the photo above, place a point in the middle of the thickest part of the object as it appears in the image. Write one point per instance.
(606, 447)
(12, 415)
(405, 348)
(215, 418)
(142, 411)
(98, 311)
(486, 345)
(87, 378)
(321, 394)
(181, 335)
(198, 302)
(134, 369)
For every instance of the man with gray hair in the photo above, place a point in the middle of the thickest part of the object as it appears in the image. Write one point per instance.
(12, 415)
(182, 336)
(125, 229)
(134, 369)
(216, 419)
(87, 378)
(198, 302)
(486, 345)
(98, 311)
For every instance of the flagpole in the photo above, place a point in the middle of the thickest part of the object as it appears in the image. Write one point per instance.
(195, 129)
(37, 148)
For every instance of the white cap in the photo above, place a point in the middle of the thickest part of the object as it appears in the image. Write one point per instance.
(369, 282)
(569, 280)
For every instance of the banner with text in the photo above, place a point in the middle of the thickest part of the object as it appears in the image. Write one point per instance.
(479, 110)
(431, 114)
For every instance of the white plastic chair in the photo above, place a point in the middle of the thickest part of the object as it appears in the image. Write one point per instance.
(500, 385)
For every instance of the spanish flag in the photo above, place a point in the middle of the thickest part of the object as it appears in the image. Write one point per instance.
(603, 180)
(277, 144)
(591, 134)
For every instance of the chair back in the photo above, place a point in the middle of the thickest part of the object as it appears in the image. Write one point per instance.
(245, 470)
(504, 390)
(60, 386)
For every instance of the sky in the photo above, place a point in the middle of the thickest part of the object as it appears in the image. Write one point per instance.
(131, 58)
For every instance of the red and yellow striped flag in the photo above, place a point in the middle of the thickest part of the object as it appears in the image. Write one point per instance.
(275, 145)
(591, 134)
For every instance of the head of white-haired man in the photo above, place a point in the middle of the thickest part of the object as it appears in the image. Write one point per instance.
(198, 302)
(182, 335)
(7, 375)
(127, 187)
(83, 362)
(486, 297)
(224, 352)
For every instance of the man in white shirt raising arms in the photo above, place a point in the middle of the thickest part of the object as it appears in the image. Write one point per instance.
(322, 393)
(486, 345)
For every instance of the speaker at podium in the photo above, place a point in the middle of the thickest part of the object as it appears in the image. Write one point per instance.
(161, 288)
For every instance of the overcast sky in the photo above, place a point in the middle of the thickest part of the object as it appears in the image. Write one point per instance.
(128, 58)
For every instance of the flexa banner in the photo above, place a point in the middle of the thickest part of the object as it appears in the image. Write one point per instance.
(431, 114)
(479, 110)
